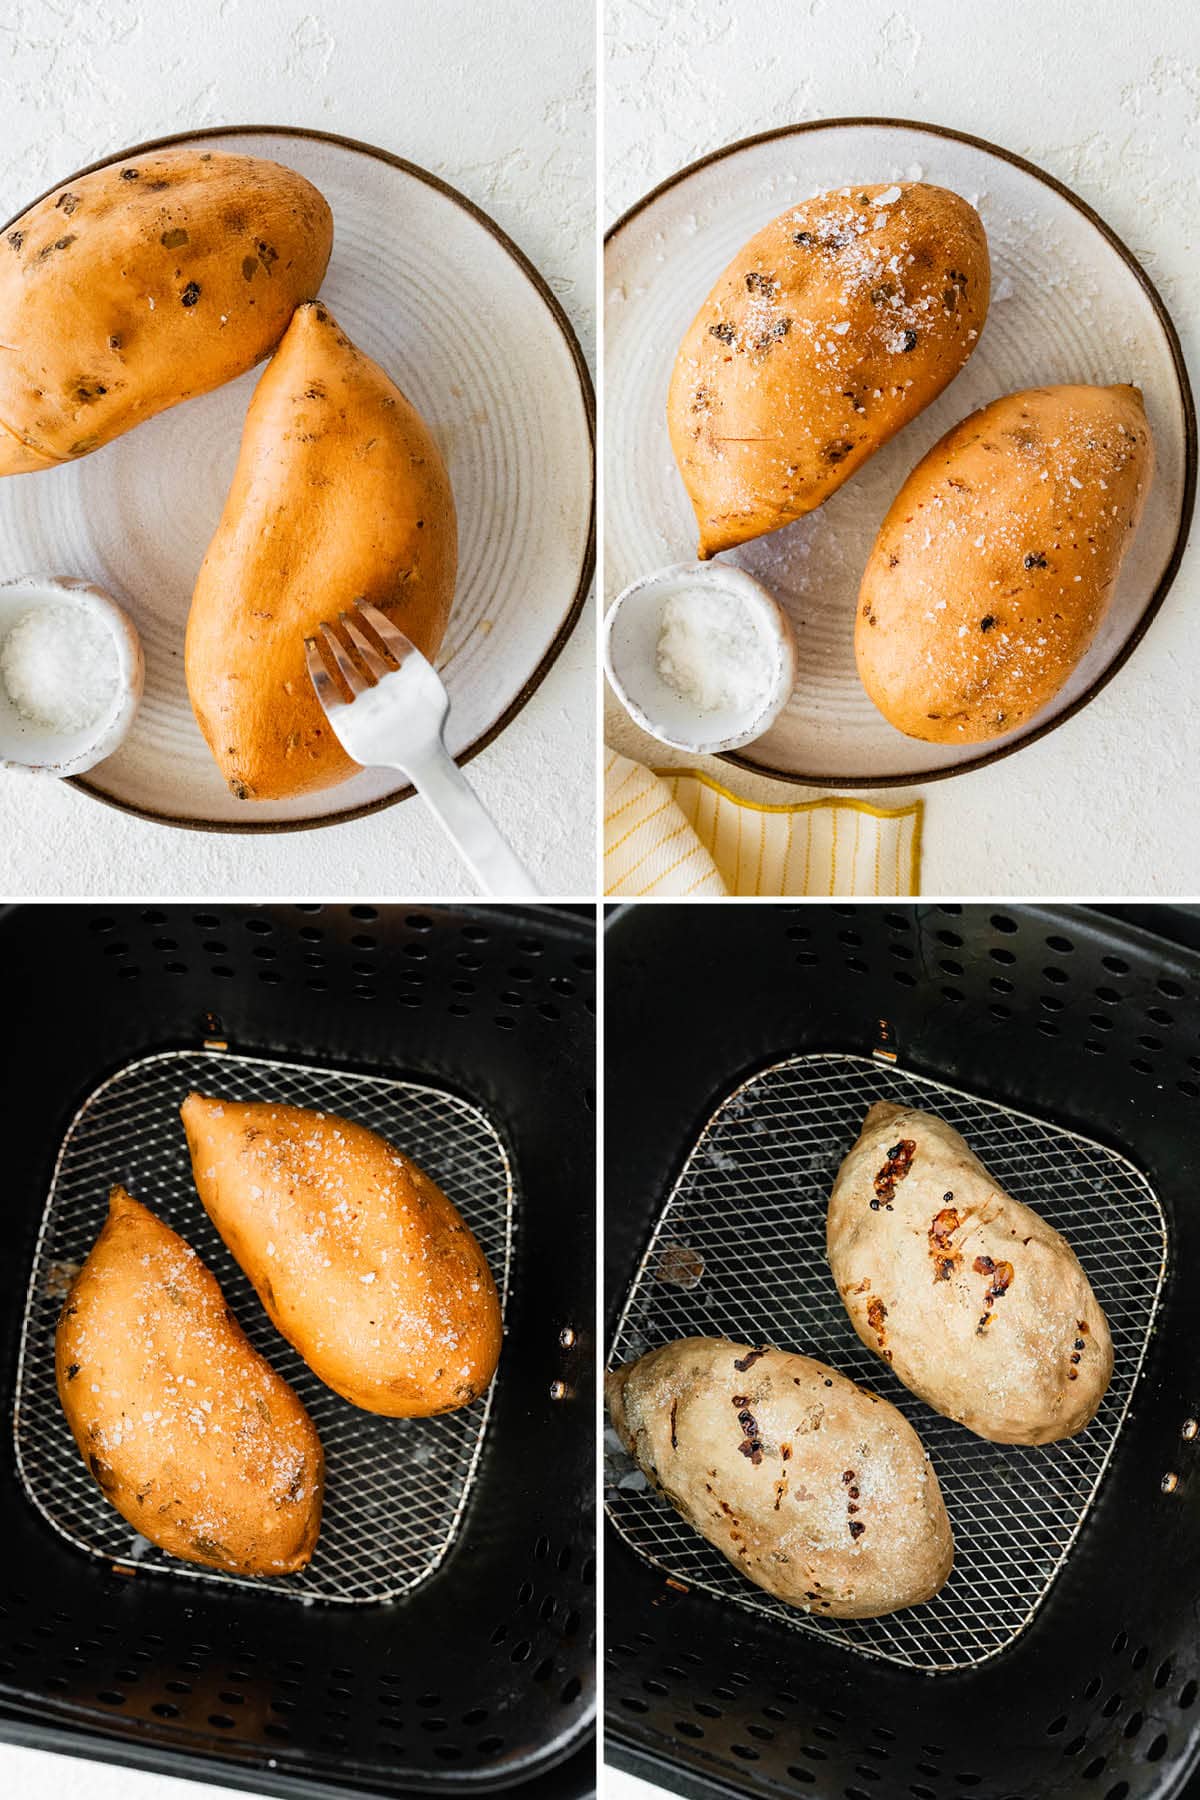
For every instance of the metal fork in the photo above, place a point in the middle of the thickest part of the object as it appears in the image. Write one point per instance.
(394, 719)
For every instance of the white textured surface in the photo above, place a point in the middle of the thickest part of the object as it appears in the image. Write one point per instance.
(417, 77)
(1105, 101)
(38, 1775)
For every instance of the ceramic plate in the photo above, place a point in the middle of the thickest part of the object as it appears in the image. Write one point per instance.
(429, 287)
(1069, 304)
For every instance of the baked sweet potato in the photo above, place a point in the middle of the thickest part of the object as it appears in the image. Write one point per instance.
(829, 330)
(359, 1258)
(340, 493)
(998, 558)
(142, 284)
(189, 1433)
(815, 1489)
(970, 1297)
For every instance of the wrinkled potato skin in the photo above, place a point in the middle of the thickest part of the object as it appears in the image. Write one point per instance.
(340, 493)
(774, 1458)
(998, 558)
(358, 1257)
(142, 284)
(228, 1470)
(975, 1303)
(826, 334)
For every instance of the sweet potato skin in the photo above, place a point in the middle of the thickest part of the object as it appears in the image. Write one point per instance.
(358, 1257)
(142, 284)
(189, 1433)
(340, 493)
(830, 329)
(998, 558)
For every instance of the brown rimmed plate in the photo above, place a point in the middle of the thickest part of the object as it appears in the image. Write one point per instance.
(429, 286)
(1070, 302)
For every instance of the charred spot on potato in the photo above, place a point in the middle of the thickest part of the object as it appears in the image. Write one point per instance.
(674, 1416)
(115, 341)
(211, 1548)
(1035, 560)
(838, 450)
(772, 334)
(747, 1362)
(105, 1476)
(73, 1371)
(908, 341)
(751, 1444)
(174, 239)
(986, 623)
(899, 1162)
(758, 283)
(723, 332)
(856, 1530)
(190, 294)
(803, 237)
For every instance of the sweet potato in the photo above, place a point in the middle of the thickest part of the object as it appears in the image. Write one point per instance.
(828, 331)
(359, 1258)
(142, 284)
(340, 493)
(187, 1430)
(998, 558)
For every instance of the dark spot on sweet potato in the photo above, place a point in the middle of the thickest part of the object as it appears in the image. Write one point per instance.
(173, 239)
(115, 341)
(674, 1434)
(746, 1362)
(892, 561)
(803, 237)
(16, 239)
(838, 450)
(190, 294)
(986, 623)
(909, 341)
(105, 1476)
(772, 334)
(67, 202)
(211, 1548)
(249, 267)
(261, 1407)
(1035, 560)
(130, 174)
(950, 299)
(156, 187)
(899, 1162)
(724, 332)
(73, 1371)
(757, 283)
(267, 256)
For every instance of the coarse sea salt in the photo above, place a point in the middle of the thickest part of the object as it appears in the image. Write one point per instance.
(711, 653)
(59, 668)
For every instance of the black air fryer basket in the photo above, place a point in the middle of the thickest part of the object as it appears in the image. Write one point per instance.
(481, 1675)
(1072, 1038)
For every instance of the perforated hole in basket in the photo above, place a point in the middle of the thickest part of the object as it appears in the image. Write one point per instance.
(395, 1489)
(739, 1252)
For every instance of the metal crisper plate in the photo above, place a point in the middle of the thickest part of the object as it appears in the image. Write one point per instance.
(750, 1207)
(395, 1489)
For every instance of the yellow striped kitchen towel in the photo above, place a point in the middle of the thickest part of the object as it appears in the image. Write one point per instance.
(679, 833)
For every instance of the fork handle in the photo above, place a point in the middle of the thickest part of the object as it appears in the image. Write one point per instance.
(469, 826)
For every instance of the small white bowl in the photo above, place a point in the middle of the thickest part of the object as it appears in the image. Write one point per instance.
(631, 632)
(24, 745)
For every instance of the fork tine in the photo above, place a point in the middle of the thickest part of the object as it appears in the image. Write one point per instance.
(371, 659)
(389, 635)
(327, 692)
(346, 669)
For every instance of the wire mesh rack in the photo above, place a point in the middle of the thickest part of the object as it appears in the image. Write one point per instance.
(739, 1252)
(395, 1489)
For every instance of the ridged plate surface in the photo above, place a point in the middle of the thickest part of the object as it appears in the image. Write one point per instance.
(1066, 307)
(437, 298)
